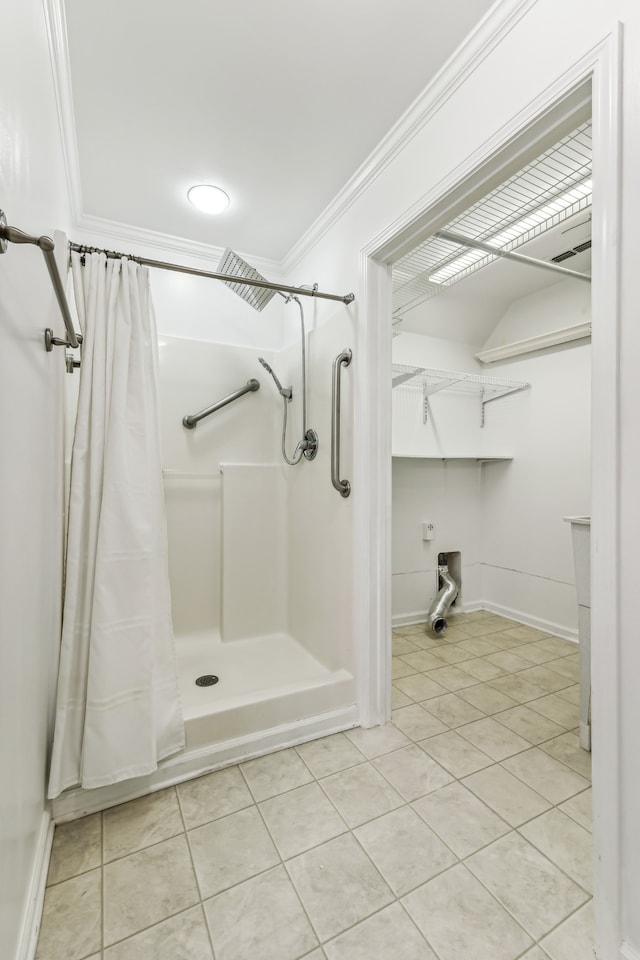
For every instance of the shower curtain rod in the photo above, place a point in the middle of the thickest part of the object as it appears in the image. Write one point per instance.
(46, 244)
(162, 265)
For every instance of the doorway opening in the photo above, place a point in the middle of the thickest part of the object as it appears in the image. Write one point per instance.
(529, 135)
(494, 699)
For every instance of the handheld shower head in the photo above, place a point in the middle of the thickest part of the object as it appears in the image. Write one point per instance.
(286, 392)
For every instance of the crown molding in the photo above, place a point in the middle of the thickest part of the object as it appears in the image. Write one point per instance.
(96, 230)
(490, 31)
(56, 26)
(488, 34)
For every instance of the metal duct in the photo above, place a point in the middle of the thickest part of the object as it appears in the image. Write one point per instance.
(436, 615)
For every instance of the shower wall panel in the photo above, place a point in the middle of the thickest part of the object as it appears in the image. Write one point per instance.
(192, 376)
(254, 548)
(207, 312)
(193, 506)
(320, 561)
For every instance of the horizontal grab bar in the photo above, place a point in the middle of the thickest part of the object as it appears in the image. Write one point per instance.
(190, 421)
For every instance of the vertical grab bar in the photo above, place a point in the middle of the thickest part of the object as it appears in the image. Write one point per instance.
(342, 486)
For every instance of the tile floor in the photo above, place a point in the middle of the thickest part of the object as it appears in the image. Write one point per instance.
(460, 831)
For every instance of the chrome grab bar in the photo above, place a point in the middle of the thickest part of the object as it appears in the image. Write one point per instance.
(190, 421)
(342, 486)
(13, 235)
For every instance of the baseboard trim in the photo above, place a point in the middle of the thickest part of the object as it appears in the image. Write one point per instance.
(420, 616)
(77, 802)
(35, 898)
(527, 620)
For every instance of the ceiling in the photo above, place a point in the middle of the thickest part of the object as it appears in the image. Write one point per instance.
(278, 103)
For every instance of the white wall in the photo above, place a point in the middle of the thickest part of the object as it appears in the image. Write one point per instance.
(425, 487)
(446, 493)
(508, 515)
(199, 309)
(32, 192)
(470, 116)
(562, 304)
(527, 557)
(528, 563)
(453, 425)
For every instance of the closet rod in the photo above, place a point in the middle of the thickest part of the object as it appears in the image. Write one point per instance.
(46, 244)
(162, 265)
(508, 255)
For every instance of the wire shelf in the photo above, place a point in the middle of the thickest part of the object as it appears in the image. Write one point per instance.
(430, 381)
(546, 192)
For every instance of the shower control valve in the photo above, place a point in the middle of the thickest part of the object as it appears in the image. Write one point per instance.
(310, 444)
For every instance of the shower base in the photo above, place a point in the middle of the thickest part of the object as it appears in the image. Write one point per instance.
(263, 683)
(271, 693)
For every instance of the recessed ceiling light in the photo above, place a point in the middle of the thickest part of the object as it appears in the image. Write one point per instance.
(208, 198)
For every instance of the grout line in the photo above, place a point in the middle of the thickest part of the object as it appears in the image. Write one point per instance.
(495, 715)
(151, 926)
(570, 815)
(374, 913)
(558, 925)
(74, 876)
(195, 872)
(283, 864)
(148, 846)
(412, 921)
(506, 908)
(408, 804)
(208, 929)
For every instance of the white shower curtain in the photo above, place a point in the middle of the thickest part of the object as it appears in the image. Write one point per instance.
(118, 709)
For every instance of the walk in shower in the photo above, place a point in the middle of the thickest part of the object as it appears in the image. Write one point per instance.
(263, 658)
(233, 550)
(255, 670)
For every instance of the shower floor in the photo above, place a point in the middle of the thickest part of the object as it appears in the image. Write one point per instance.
(264, 682)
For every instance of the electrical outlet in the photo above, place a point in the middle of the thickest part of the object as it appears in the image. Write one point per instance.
(428, 531)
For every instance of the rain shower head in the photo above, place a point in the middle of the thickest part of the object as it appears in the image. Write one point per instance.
(234, 266)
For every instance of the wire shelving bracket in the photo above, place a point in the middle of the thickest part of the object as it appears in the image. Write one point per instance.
(433, 381)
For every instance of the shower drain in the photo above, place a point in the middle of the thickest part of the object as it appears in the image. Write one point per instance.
(207, 680)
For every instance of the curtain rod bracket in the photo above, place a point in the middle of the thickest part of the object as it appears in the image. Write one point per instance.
(46, 244)
(50, 341)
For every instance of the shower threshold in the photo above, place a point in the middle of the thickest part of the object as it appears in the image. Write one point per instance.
(263, 682)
